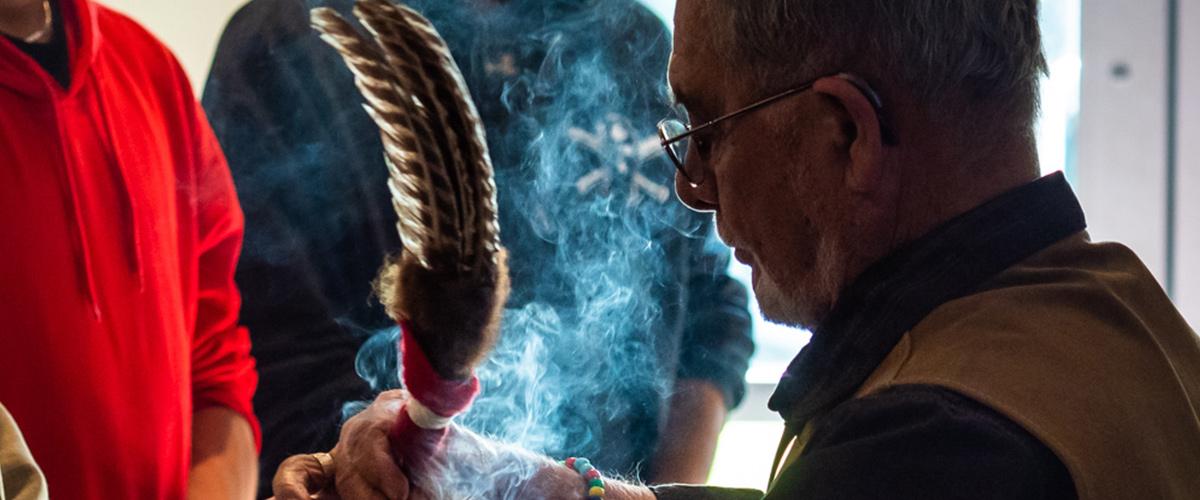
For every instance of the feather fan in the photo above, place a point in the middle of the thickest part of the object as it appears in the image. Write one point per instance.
(450, 281)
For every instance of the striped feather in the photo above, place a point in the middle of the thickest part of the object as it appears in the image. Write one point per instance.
(445, 87)
(440, 173)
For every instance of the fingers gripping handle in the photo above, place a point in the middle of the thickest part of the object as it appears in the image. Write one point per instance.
(424, 422)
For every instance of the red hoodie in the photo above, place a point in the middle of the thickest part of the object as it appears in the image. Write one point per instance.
(119, 232)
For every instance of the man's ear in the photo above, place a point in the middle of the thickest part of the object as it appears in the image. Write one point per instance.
(866, 147)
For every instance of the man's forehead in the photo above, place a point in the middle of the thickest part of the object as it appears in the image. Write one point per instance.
(694, 62)
(686, 85)
(694, 28)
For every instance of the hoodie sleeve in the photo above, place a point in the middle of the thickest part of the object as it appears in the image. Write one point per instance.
(223, 372)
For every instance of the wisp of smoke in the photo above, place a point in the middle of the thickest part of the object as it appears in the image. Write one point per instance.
(570, 97)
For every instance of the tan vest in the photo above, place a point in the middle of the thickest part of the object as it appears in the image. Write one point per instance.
(1080, 346)
(20, 477)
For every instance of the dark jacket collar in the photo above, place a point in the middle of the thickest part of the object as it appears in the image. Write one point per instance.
(897, 292)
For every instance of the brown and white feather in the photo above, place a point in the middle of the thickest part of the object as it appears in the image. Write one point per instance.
(451, 277)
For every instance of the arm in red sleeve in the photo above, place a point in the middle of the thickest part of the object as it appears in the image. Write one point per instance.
(223, 371)
(225, 433)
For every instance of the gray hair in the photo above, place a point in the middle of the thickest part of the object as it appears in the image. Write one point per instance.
(943, 52)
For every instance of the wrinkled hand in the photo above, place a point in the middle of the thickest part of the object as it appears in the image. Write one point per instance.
(363, 457)
(362, 468)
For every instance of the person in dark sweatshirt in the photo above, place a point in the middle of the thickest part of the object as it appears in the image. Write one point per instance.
(613, 280)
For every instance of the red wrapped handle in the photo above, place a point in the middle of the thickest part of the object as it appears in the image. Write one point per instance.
(422, 423)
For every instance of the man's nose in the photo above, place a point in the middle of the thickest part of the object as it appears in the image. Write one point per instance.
(702, 198)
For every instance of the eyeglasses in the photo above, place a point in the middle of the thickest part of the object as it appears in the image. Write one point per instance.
(676, 135)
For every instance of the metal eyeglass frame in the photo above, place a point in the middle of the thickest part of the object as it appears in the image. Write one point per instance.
(888, 137)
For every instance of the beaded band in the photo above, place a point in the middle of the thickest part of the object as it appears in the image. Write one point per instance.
(595, 483)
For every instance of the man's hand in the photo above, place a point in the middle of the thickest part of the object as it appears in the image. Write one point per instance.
(362, 466)
(364, 456)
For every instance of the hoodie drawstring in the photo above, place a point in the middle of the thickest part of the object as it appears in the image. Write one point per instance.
(84, 261)
(135, 247)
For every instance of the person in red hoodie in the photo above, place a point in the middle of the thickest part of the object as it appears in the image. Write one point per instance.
(120, 351)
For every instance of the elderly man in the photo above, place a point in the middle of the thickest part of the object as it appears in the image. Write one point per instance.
(874, 162)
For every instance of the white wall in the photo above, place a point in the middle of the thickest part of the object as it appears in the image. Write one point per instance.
(1187, 194)
(191, 28)
(1121, 178)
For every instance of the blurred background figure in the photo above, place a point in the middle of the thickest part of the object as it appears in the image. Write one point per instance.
(612, 280)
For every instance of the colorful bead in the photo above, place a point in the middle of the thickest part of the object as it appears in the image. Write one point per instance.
(595, 482)
(582, 465)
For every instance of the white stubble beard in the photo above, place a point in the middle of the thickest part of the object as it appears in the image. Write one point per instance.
(807, 302)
